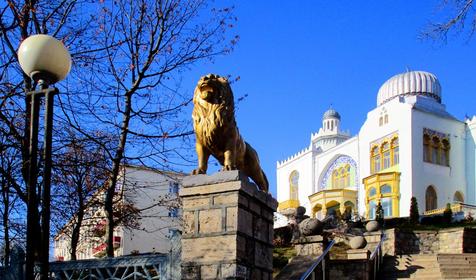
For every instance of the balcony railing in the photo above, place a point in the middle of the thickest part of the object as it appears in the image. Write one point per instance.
(100, 250)
(457, 207)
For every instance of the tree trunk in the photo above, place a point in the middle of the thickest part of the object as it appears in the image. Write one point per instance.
(77, 227)
(109, 200)
(6, 236)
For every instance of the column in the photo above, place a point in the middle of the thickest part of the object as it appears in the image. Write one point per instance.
(228, 228)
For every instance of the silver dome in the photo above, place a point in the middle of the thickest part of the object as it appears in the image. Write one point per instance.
(331, 114)
(410, 83)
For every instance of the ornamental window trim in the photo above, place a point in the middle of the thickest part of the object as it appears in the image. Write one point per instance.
(436, 147)
(384, 154)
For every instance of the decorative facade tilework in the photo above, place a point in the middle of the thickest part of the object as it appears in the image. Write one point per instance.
(341, 160)
(432, 133)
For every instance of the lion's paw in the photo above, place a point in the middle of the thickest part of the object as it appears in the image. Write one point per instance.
(228, 168)
(198, 171)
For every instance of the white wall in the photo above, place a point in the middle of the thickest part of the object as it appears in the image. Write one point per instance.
(303, 164)
(399, 122)
(470, 197)
(146, 189)
(446, 180)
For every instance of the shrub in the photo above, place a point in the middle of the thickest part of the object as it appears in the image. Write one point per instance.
(432, 220)
(379, 213)
(447, 214)
(414, 214)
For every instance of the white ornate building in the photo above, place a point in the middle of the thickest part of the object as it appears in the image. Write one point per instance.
(408, 146)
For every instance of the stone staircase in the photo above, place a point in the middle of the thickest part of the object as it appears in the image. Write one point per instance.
(457, 266)
(426, 266)
(411, 266)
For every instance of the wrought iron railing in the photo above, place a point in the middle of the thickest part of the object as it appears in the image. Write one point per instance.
(376, 258)
(318, 268)
(152, 266)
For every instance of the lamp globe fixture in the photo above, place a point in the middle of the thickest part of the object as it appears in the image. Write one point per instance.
(43, 57)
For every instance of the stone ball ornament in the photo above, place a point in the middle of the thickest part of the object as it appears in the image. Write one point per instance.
(357, 242)
(44, 57)
(310, 226)
(372, 226)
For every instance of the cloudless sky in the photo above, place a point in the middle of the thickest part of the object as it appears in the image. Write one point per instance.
(295, 58)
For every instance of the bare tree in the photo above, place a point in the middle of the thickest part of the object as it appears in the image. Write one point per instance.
(18, 20)
(10, 207)
(129, 87)
(81, 170)
(459, 17)
(127, 59)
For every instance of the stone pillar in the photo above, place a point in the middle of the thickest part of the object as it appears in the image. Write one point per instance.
(227, 229)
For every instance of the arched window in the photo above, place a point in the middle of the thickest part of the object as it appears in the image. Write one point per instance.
(375, 163)
(435, 148)
(335, 179)
(386, 155)
(395, 152)
(430, 199)
(445, 153)
(426, 148)
(386, 206)
(372, 192)
(458, 197)
(372, 208)
(385, 119)
(341, 177)
(294, 185)
(347, 178)
(385, 189)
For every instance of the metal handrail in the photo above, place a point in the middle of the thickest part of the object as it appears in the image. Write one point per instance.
(318, 261)
(379, 245)
(377, 253)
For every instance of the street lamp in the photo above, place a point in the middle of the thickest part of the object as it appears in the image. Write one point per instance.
(46, 61)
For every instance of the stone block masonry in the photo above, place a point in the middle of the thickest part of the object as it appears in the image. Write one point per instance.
(444, 241)
(228, 228)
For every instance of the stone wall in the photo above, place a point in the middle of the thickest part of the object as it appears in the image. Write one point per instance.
(228, 228)
(349, 269)
(469, 240)
(444, 241)
(310, 245)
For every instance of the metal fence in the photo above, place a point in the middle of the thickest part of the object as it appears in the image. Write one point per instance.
(138, 267)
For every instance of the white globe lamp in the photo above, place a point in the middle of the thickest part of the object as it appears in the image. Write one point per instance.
(43, 57)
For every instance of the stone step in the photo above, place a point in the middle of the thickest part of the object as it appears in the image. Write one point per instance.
(458, 276)
(456, 261)
(296, 267)
(458, 270)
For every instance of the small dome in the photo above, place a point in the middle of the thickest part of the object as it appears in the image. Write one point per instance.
(331, 114)
(410, 83)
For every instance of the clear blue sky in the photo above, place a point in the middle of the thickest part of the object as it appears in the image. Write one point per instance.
(295, 58)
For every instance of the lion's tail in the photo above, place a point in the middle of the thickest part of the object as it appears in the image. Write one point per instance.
(253, 169)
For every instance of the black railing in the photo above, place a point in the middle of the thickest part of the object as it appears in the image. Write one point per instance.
(319, 266)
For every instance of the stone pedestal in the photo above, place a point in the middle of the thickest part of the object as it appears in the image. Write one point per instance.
(310, 245)
(355, 254)
(227, 228)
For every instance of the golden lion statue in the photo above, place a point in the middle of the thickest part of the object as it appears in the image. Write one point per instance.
(216, 131)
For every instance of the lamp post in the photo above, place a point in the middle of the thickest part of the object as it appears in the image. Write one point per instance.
(46, 61)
